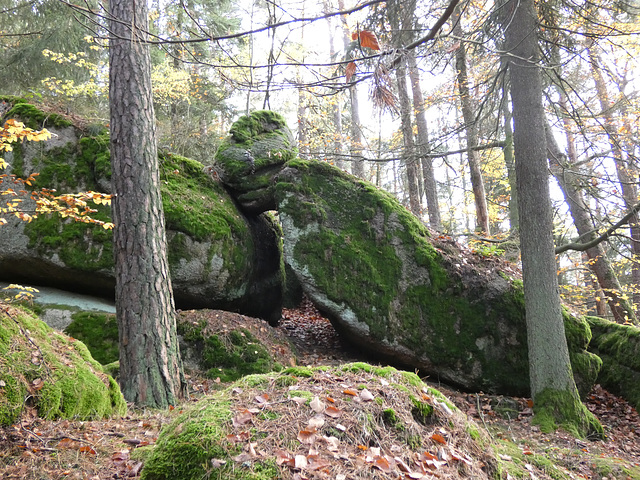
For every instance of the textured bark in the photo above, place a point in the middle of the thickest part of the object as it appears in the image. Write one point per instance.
(357, 161)
(471, 129)
(428, 177)
(507, 152)
(549, 364)
(400, 16)
(150, 365)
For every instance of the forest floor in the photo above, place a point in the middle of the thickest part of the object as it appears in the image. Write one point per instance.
(100, 450)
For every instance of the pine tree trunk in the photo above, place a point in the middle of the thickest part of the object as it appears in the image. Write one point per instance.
(627, 175)
(150, 365)
(408, 153)
(598, 263)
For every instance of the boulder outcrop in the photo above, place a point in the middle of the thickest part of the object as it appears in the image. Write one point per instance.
(219, 258)
(386, 282)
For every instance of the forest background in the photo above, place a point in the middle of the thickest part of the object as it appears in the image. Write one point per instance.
(376, 90)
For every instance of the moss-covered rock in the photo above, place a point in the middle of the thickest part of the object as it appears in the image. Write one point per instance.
(392, 288)
(219, 344)
(619, 348)
(218, 257)
(247, 160)
(259, 428)
(51, 373)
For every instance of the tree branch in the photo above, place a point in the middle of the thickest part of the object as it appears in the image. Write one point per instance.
(581, 247)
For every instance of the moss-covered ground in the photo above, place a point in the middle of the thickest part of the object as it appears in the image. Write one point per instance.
(264, 426)
(50, 373)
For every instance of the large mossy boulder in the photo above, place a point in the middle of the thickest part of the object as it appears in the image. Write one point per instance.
(352, 421)
(218, 257)
(391, 287)
(53, 374)
(619, 348)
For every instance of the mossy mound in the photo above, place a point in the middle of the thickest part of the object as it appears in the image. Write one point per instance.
(391, 287)
(619, 348)
(248, 158)
(355, 420)
(51, 373)
(213, 250)
(99, 332)
(222, 345)
(227, 345)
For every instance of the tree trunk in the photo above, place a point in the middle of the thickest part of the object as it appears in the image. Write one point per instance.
(428, 177)
(408, 153)
(552, 385)
(150, 365)
(507, 151)
(624, 168)
(471, 129)
(598, 262)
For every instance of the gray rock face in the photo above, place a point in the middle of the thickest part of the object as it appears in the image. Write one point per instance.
(218, 257)
(394, 290)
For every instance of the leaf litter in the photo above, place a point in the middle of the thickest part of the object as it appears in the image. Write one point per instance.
(351, 434)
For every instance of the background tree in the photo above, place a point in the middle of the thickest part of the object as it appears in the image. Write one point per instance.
(150, 364)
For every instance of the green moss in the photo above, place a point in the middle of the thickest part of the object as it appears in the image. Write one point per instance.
(619, 348)
(228, 355)
(250, 126)
(35, 118)
(70, 383)
(99, 332)
(306, 372)
(421, 411)
(562, 408)
(185, 447)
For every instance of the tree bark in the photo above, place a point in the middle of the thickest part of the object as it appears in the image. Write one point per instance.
(150, 365)
(428, 177)
(552, 385)
(471, 129)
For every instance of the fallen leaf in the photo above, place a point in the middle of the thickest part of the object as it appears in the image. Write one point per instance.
(242, 418)
(317, 405)
(300, 462)
(316, 421)
(307, 436)
(436, 437)
(350, 392)
(332, 412)
(366, 395)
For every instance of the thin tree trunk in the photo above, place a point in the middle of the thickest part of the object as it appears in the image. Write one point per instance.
(471, 129)
(336, 107)
(627, 176)
(409, 151)
(507, 152)
(598, 263)
(150, 365)
(428, 177)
